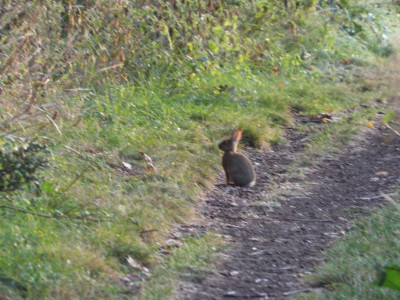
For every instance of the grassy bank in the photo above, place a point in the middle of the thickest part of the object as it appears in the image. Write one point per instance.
(352, 267)
(350, 271)
(97, 93)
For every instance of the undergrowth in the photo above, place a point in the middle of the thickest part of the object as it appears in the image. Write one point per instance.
(97, 82)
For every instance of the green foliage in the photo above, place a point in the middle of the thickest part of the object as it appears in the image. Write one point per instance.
(389, 276)
(98, 81)
(19, 163)
(100, 42)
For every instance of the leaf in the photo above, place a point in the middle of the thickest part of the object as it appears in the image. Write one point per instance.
(344, 3)
(133, 263)
(127, 166)
(382, 173)
(370, 125)
(146, 157)
(151, 168)
(292, 29)
(213, 47)
(163, 28)
(149, 164)
(389, 276)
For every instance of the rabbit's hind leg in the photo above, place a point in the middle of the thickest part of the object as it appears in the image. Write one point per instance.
(229, 179)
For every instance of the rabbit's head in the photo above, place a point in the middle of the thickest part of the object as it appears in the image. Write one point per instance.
(231, 144)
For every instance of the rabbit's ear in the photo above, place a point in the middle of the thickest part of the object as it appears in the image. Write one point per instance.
(237, 134)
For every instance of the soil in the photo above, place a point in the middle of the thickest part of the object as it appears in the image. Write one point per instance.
(276, 232)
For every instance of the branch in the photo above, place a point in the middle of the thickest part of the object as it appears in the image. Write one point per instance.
(392, 129)
(48, 216)
(390, 200)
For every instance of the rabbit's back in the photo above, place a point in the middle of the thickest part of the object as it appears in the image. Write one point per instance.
(239, 168)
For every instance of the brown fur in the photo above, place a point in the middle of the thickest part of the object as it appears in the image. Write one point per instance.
(238, 168)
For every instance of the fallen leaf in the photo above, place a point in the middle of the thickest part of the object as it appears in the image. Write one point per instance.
(325, 115)
(127, 166)
(292, 30)
(346, 61)
(370, 125)
(382, 173)
(172, 243)
(230, 294)
(133, 263)
(149, 166)
(146, 157)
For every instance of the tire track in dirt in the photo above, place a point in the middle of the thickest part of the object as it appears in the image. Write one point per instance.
(277, 230)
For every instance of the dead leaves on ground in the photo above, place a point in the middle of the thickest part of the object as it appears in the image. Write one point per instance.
(320, 118)
(149, 163)
(130, 169)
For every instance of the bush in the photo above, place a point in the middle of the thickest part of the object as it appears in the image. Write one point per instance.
(19, 164)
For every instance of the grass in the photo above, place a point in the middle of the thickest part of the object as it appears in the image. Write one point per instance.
(99, 212)
(331, 139)
(192, 262)
(350, 268)
(135, 210)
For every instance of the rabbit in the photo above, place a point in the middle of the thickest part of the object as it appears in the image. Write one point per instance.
(238, 168)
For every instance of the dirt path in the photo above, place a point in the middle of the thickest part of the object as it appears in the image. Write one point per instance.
(273, 246)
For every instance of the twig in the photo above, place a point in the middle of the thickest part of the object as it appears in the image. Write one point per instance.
(296, 292)
(40, 125)
(228, 295)
(75, 151)
(77, 122)
(391, 128)
(371, 198)
(143, 232)
(54, 124)
(78, 206)
(147, 231)
(109, 68)
(77, 90)
(64, 189)
(48, 216)
(233, 226)
(306, 220)
(390, 199)
(11, 119)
